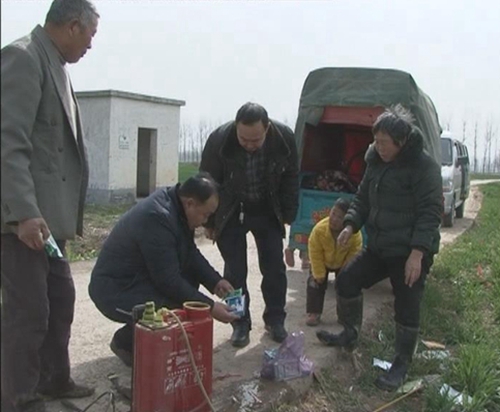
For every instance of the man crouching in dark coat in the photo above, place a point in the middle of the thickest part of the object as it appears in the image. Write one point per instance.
(150, 255)
(399, 201)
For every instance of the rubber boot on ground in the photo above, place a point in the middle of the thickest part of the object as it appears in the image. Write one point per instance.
(406, 344)
(350, 314)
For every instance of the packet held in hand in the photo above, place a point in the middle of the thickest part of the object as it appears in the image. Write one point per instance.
(52, 249)
(236, 301)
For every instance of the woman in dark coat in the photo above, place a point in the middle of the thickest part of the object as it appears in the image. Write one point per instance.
(399, 201)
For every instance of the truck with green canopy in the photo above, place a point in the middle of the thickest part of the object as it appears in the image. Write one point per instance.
(337, 109)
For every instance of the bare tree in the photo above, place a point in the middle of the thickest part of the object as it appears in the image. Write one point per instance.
(203, 130)
(185, 134)
(464, 131)
(491, 132)
(192, 139)
(475, 147)
(447, 123)
(488, 136)
(496, 160)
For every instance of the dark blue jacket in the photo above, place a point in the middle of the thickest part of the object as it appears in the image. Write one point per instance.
(152, 244)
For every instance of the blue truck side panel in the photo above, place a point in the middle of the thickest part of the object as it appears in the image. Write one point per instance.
(314, 205)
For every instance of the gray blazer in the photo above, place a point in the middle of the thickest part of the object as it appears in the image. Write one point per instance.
(43, 162)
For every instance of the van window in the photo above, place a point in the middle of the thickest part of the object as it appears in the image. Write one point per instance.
(446, 152)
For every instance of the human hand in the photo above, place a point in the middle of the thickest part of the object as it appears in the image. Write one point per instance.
(210, 233)
(344, 236)
(33, 232)
(222, 288)
(314, 283)
(413, 267)
(223, 313)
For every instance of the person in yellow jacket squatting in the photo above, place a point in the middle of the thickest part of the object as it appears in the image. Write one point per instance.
(326, 257)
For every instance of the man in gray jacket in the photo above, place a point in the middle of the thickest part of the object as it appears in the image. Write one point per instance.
(44, 181)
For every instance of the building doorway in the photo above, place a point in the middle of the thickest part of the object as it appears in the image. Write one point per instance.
(146, 161)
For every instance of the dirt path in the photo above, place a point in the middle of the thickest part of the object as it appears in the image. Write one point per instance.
(236, 387)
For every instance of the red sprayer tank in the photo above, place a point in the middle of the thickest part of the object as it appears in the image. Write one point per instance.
(163, 377)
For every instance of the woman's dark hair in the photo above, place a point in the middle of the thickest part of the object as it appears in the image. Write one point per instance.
(343, 204)
(251, 113)
(199, 187)
(397, 122)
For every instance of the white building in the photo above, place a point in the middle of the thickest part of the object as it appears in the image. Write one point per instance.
(132, 143)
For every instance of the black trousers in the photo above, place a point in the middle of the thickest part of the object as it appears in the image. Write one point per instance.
(102, 294)
(232, 244)
(38, 300)
(369, 268)
(315, 295)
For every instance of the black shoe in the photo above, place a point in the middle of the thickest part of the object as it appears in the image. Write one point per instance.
(70, 390)
(241, 334)
(347, 338)
(36, 404)
(277, 331)
(393, 379)
(126, 356)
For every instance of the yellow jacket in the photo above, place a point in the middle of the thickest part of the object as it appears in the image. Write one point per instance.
(325, 255)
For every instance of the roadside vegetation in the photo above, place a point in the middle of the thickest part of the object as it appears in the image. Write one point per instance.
(187, 170)
(483, 176)
(98, 222)
(461, 309)
(100, 219)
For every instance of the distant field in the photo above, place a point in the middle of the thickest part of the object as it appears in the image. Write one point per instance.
(483, 176)
(187, 170)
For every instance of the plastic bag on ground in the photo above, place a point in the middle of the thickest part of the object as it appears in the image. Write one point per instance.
(288, 360)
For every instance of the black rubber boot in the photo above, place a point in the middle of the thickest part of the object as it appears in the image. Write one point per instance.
(406, 344)
(241, 333)
(350, 314)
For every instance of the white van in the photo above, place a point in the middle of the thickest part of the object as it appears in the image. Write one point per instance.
(455, 172)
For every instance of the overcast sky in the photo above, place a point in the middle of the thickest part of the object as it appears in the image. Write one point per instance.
(216, 55)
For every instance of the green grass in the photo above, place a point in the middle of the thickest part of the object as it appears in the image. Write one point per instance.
(98, 221)
(187, 170)
(480, 176)
(461, 308)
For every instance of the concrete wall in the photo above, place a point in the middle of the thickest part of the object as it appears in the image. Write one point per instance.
(126, 119)
(113, 121)
(95, 114)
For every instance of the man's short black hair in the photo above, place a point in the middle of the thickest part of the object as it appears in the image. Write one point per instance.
(251, 113)
(397, 122)
(343, 204)
(199, 187)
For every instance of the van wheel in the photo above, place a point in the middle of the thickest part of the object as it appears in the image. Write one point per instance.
(460, 210)
(448, 219)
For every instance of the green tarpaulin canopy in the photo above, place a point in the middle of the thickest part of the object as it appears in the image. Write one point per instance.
(365, 87)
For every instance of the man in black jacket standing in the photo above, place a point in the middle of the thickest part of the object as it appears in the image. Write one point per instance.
(150, 255)
(255, 161)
